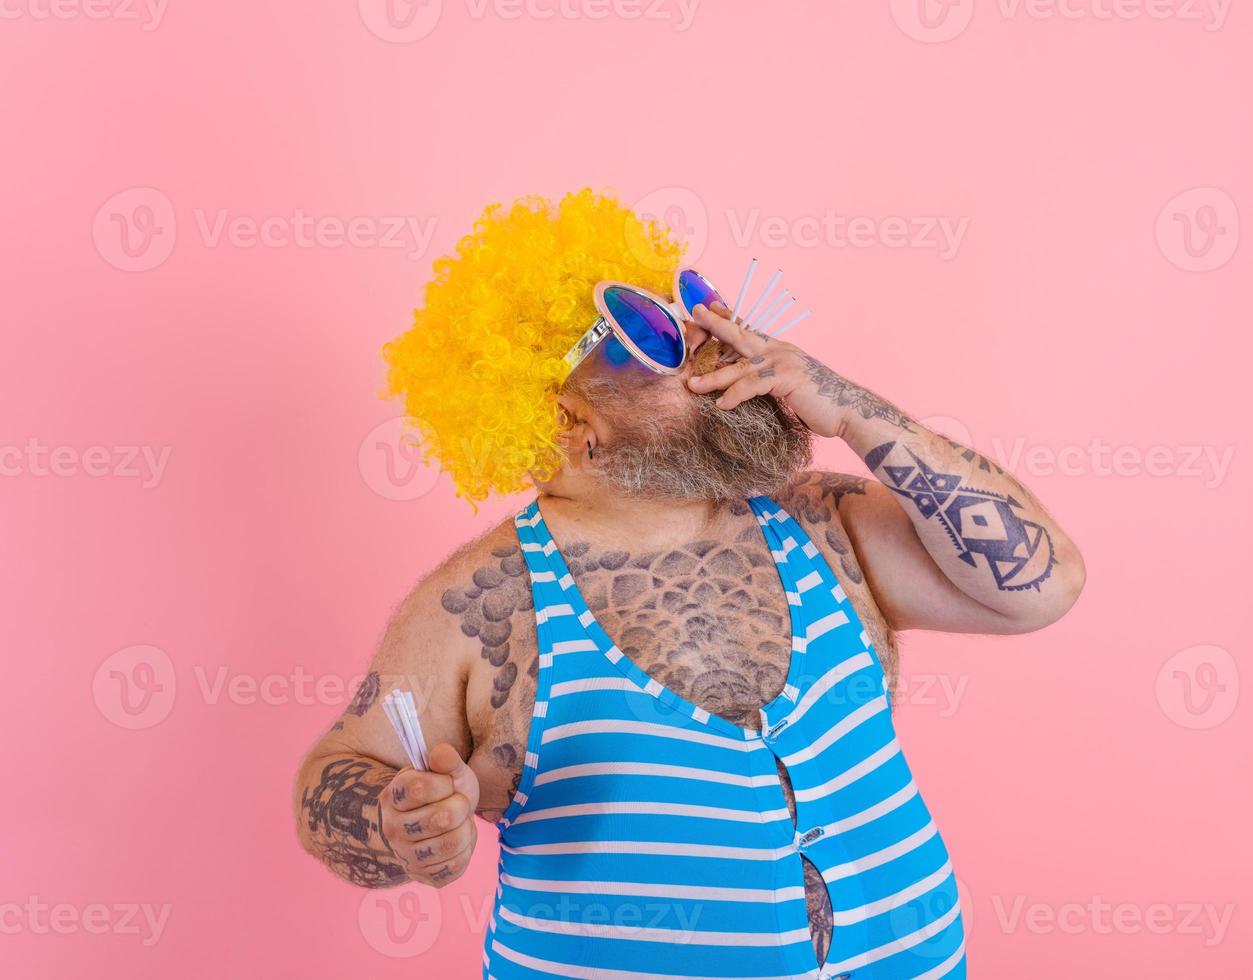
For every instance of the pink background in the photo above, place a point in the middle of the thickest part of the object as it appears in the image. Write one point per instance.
(1091, 780)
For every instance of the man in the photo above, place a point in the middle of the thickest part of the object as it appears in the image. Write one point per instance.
(667, 680)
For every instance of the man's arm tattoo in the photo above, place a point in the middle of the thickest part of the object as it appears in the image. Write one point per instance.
(1018, 552)
(849, 395)
(345, 823)
(366, 695)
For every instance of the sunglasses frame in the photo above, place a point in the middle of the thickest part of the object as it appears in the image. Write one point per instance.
(606, 324)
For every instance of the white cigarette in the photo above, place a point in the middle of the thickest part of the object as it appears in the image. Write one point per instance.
(412, 738)
(774, 281)
(767, 320)
(788, 326)
(739, 300)
(419, 742)
(402, 735)
(771, 308)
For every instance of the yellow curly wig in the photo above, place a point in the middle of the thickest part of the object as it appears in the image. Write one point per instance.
(481, 366)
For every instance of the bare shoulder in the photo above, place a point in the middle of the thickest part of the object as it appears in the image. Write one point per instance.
(433, 615)
(816, 495)
(481, 598)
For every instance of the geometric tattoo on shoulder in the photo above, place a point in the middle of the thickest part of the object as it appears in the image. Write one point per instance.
(1018, 552)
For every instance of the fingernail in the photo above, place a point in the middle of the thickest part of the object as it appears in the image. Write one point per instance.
(698, 308)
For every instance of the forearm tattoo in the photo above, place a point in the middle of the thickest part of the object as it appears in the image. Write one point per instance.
(344, 822)
(981, 524)
(846, 394)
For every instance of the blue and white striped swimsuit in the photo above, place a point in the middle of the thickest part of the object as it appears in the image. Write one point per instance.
(649, 838)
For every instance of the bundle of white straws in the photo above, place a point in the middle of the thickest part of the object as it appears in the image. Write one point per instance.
(403, 714)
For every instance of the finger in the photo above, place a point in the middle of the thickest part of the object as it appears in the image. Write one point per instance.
(722, 378)
(444, 758)
(721, 309)
(431, 820)
(743, 390)
(450, 870)
(411, 788)
(724, 329)
(437, 850)
(693, 335)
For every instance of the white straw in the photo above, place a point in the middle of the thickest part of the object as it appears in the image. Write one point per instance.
(774, 280)
(771, 309)
(739, 300)
(403, 714)
(788, 326)
(393, 715)
(419, 743)
(766, 321)
(409, 731)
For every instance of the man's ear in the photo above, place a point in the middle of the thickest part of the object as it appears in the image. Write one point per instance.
(579, 435)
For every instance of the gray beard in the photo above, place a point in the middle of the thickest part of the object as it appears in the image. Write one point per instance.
(702, 453)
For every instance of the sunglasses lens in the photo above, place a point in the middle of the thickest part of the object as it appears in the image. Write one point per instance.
(649, 326)
(695, 289)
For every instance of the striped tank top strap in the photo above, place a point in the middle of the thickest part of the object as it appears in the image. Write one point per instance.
(546, 596)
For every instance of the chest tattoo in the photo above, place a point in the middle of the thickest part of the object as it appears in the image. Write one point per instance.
(706, 618)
